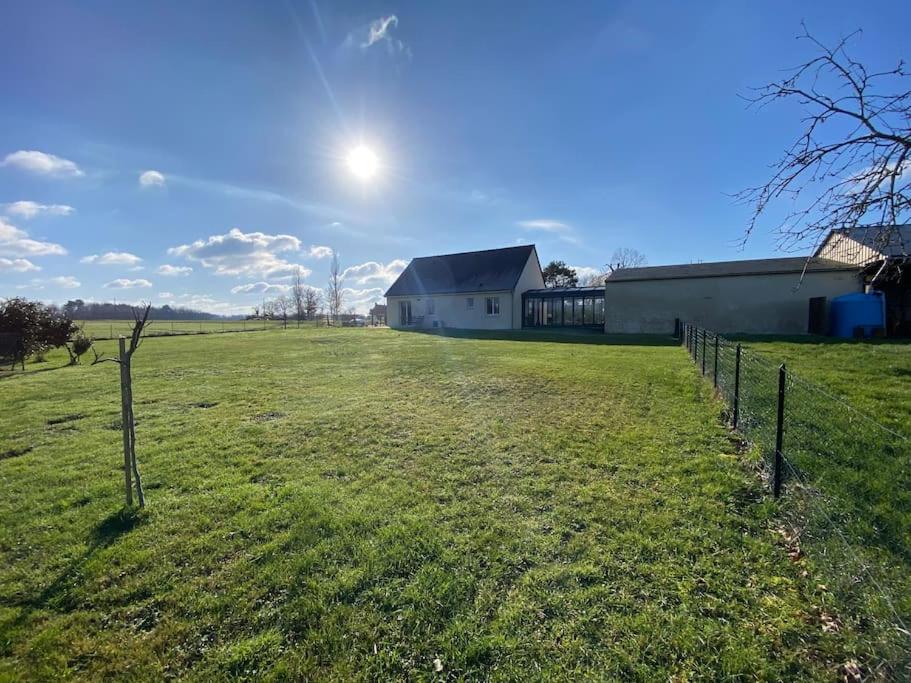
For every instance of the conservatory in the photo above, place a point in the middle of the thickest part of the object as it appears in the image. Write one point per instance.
(563, 307)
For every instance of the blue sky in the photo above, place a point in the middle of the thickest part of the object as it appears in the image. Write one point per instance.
(579, 127)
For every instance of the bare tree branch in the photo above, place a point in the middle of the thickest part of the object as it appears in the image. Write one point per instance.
(851, 167)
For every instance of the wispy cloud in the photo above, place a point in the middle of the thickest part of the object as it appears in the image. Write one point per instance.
(113, 258)
(64, 281)
(319, 252)
(42, 163)
(373, 272)
(16, 242)
(561, 230)
(151, 178)
(379, 32)
(124, 283)
(28, 209)
(17, 265)
(173, 271)
(240, 253)
(261, 288)
(361, 299)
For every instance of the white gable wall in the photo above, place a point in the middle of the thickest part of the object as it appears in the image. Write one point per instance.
(531, 278)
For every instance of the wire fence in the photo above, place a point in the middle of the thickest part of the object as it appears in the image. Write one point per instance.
(112, 329)
(843, 483)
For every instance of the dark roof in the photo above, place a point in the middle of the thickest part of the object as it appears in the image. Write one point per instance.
(470, 271)
(888, 240)
(554, 291)
(769, 266)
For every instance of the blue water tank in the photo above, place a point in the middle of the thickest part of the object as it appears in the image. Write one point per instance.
(850, 311)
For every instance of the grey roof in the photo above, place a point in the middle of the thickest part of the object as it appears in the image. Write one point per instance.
(894, 240)
(470, 271)
(769, 266)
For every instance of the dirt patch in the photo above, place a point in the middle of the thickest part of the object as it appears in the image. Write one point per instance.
(268, 417)
(65, 418)
(15, 452)
(205, 404)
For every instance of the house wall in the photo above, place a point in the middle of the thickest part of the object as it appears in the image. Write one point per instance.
(451, 310)
(759, 304)
(531, 278)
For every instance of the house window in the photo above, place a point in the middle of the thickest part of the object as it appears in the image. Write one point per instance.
(493, 305)
(429, 307)
(469, 303)
(404, 312)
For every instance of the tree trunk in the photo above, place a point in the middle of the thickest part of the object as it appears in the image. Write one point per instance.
(125, 421)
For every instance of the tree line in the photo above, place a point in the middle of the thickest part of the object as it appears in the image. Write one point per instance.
(77, 309)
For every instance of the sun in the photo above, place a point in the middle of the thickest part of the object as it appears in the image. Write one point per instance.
(363, 162)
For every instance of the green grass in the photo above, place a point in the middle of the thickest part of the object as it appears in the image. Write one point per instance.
(354, 504)
(111, 329)
(874, 376)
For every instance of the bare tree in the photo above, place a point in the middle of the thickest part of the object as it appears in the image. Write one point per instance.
(298, 295)
(312, 302)
(282, 306)
(851, 166)
(334, 292)
(128, 421)
(268, 309)
(624, 258)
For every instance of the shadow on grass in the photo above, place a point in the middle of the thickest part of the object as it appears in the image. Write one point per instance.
(30, 369)
(56, 595)
(558, 336)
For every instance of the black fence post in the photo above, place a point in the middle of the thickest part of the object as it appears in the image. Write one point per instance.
(736, 387)
(704, 335)
(715, 380)
(695, 341)
(779, 429)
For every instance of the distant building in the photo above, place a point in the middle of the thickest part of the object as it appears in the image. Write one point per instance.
(378, 314)
(764, 296)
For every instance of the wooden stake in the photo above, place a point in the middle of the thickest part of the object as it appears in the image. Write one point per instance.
(125, 421)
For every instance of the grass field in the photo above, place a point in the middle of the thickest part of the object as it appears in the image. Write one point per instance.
(874, 376)
(111, 329)
(370, 504)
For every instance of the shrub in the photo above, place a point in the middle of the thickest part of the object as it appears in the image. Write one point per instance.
(39, 328)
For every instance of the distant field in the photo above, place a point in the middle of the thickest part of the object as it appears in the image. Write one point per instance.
(352, 504)
(874, 376)
(111, 329)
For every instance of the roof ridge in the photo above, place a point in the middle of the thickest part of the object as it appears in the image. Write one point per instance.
(476, 251)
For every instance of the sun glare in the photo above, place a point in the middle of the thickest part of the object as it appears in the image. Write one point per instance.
(363, 162)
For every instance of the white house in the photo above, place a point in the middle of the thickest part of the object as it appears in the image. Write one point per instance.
(471, 290)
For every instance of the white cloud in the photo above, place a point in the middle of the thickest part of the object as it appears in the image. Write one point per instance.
(64, 281)
(42, 163)
(317, 251)
(16, 242)
(123, 283)
(240, 253)
(379, 32)
(586, 274)
(261, 288)
(361, 300)
(165, 295)
(151, 179)
(173, 271)
(205, 302)
(561, 230)
(372, 272)
(113, 258)
(27, 209)
(17, 265)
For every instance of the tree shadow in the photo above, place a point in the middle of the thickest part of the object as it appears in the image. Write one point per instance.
(55, 596)
(553, 336)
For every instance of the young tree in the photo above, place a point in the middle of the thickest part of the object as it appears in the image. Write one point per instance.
(851, 166)
(298, 295)
(558, 274)
(282, 306)
(128, 422)
(334, 292)
(313, 301)
(625, 258)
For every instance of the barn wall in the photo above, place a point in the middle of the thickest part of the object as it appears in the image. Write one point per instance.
(758, 304)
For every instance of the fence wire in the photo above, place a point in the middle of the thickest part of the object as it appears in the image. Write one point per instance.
(845, 500)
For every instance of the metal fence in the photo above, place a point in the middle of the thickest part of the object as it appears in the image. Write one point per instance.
(843, 484)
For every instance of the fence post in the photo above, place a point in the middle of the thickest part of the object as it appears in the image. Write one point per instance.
(676, 327)
(779, 428)
(704, 335)
(695, 342)
(715, 381)
(125, 420)
(737, 387)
